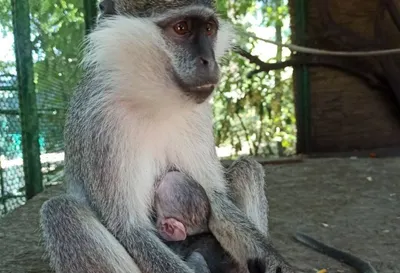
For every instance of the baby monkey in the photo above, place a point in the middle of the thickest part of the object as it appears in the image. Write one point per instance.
(182, 210)
(182, 207)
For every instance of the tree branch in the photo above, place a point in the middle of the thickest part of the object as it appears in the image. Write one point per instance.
(342, 64)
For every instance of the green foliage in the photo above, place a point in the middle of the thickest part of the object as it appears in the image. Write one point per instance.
(57, 31)
(5, 17)
(256, 112)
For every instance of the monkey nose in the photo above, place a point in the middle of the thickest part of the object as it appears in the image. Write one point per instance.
(206, 63)
(203, 61)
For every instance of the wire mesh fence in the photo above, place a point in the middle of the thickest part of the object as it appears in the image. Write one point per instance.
(11, 169)
(56, 33)
(51, 113)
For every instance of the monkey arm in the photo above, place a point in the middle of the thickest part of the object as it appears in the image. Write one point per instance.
(134, 233)
(136, 236)
(235, 232)
(232, 228)
(150, 254)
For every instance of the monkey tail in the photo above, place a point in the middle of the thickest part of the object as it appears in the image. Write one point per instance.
(339, 255)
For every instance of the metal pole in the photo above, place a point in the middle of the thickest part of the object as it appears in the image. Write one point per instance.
(90, 14)
(2, 191)
(27, 97)
(302, 83)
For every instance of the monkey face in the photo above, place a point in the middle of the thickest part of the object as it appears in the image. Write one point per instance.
(191, 36)
(170, 56)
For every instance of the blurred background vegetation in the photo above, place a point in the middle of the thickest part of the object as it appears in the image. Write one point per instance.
(254, 110)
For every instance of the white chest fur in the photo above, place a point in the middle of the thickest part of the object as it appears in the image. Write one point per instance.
(183, 140)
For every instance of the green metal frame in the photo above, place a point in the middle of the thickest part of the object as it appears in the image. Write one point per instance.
(2, 191)
(90, 14)
(27, 98)
(302, 85)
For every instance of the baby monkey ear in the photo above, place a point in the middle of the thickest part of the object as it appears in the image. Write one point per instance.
(172, 230)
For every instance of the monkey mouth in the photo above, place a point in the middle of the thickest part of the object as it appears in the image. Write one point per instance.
(203, 88)
(198, 91)
(202, 92)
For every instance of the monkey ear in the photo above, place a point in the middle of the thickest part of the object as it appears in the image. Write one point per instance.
(172, 230)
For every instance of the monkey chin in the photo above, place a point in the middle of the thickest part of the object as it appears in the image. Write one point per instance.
(200, 93)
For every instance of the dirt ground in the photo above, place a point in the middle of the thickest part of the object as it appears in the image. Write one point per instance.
(352, 204)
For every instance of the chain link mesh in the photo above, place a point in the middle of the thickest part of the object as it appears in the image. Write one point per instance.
(11, 168)
(55, 55)
(51, 113)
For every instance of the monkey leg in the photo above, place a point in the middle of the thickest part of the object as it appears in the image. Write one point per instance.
(246, 186)
(77, 242)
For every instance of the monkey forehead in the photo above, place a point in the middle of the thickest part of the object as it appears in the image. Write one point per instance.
(170, 16)
(147, 8)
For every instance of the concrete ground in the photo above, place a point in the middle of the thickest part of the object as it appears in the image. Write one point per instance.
(353, 205)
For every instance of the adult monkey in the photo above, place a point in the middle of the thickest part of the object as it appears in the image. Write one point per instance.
(141, 110)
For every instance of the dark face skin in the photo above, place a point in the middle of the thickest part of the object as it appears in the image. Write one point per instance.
(191, 39)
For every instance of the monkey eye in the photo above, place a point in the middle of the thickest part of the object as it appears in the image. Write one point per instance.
(181, 28)
(211, 28)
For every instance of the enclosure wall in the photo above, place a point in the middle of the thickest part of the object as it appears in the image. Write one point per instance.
(345, 113)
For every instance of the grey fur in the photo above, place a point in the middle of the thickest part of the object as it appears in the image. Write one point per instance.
(103, 223)
(245, 178)
(246, 186)
(152, 7)
(147, 8)
(245, 237)
(183, 199)
(76, 240)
